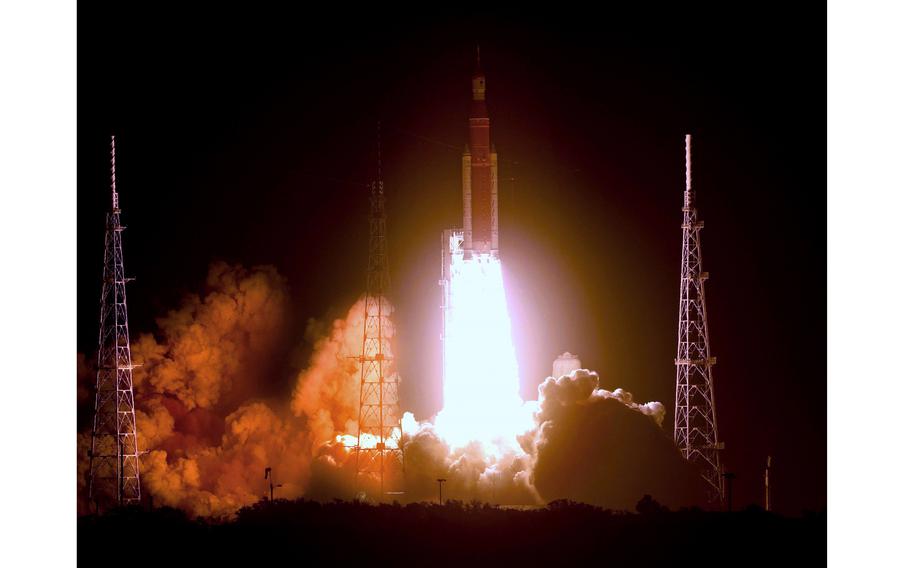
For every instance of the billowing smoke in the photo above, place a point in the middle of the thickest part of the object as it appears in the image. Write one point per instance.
(470, 472)
(327, 398)
(600, 447)
(215, 480)
(201, 417)
(210, 433)
(209, 351)
(327, 392)
(587, 444)
(207, 439)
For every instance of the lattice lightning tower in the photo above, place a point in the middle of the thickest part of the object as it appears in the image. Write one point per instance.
(114, 457)
(380, 458)
(695, 424)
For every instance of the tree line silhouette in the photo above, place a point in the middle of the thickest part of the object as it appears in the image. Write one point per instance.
(346, 533)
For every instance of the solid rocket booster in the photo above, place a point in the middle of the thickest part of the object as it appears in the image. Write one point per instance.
(480, 187)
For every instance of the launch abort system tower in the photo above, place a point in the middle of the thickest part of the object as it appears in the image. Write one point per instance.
(695, 422)
(114, 456)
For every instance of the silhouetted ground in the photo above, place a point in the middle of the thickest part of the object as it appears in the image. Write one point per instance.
(307, 533)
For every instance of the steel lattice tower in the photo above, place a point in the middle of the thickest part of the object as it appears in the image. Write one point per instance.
(114, 457)
(380, 458)
(695, 424)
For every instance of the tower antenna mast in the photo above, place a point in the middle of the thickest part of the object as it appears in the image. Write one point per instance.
(380, 457)
(695, 421)
(114, 455)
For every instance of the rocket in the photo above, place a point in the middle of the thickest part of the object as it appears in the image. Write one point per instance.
(479, 183)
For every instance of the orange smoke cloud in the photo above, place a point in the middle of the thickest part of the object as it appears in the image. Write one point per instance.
(217, 480)
(209, 439)
(207, 442)
(212, 343)
(327, 393)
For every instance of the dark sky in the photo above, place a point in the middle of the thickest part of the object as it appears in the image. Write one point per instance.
(247, 138)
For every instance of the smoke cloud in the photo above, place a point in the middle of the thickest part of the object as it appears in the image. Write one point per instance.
(211, 347)
(587, 444)
(207, 440)
(209, 433)
(600, 447)
(469, 471)
(327, 392)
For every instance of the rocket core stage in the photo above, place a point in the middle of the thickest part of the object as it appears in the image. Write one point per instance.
(479, 184)
(481, 401)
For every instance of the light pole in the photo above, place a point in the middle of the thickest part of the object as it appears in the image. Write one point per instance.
(440, 481)
(272, 486)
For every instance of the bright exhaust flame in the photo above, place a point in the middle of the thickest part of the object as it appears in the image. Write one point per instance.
(480, 393)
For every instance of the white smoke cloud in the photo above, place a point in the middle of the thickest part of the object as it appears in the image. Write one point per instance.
(511, 477)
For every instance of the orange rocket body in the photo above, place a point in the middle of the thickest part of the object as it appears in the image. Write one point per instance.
(480, 189)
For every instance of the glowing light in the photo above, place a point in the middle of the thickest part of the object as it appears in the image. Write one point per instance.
(480, 392)
(368, 441)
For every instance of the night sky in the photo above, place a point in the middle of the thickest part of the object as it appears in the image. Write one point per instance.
(249, 139)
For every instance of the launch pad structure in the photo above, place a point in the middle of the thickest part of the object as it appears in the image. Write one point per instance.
(379, 450)
(695, 420)
(114, 455)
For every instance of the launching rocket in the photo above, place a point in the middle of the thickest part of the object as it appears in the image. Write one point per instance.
(479, 184)
(478, 237)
